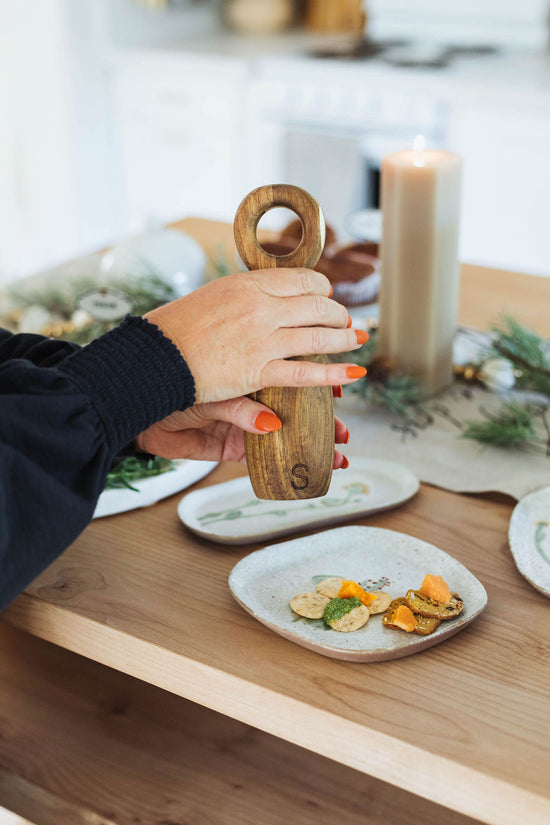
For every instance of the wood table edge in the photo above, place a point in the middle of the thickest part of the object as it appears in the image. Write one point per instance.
(439, 779)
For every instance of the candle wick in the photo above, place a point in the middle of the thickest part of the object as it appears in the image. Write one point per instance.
(419, 144)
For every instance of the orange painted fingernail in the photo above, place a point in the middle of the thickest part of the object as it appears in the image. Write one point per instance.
(345, 463)
(337, 391)
(347, 438)
(349, 322)
(331, 293)
(362, 336)
(355, 372)
(267, 422)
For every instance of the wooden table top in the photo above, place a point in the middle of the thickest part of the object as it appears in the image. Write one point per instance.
(465, 723)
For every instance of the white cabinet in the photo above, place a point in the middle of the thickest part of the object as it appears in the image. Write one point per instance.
(500, 22)
(114, 131)
(506, 184)
(55, 150)
(195, 132)
(179, 128)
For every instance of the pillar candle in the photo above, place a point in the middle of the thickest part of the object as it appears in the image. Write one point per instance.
(420, 273)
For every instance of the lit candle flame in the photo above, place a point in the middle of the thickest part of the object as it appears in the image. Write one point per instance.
(419, 143)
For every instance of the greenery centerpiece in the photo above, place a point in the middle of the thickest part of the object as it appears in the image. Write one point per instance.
(516, 361)
(64, 319)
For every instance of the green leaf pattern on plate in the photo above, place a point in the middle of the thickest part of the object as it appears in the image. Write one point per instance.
(370, 585)
(255, 508)
(541, 528)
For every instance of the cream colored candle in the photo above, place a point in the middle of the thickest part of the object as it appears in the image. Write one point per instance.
(419, 294)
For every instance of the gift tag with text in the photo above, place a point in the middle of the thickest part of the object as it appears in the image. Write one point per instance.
(106, 304)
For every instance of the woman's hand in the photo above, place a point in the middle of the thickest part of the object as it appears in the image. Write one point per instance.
(214, 432)
(236, 333)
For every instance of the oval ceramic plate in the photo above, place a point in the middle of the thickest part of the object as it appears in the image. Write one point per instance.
(264, 582)
(230, 513)
(529, 537)
(151, 490)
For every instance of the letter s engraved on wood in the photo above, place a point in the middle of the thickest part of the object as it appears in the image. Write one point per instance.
(300, 471)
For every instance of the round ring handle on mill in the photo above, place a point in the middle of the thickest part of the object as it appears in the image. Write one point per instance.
(296, 461)
(262, 200)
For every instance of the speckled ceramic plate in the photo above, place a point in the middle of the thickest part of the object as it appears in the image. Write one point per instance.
(529, 537)
(230, 513)
(264, 582)
(151, 490)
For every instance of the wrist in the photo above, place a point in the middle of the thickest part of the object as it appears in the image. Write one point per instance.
(134, 376)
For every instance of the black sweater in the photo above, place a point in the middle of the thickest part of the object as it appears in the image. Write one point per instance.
(65, 414)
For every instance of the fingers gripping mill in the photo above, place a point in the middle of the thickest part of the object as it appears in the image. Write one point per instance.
(296, 461)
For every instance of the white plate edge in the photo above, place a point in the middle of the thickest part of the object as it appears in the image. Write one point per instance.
(373, 654)
(355, 528)
(525, 569)
(187, 502)
(148, 497)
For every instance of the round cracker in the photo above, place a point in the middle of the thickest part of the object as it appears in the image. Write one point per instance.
(309, 605)
(330, 587)
(419, 603)
(387, 618)
(425, 626)
(355, 619)
(380, 604)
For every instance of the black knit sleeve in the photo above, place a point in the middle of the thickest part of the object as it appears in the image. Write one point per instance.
(60, 429)
(39, 350)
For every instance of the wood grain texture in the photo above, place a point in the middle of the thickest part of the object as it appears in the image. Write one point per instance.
(296, 461)
(465, 724)
(85, 745)
(343, 16)
(262, 200)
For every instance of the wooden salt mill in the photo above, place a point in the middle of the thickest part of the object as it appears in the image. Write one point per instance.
(296, 461)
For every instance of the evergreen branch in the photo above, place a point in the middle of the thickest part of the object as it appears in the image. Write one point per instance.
(397, 395)
(511, 426)
(132, 469)
(395, 392)
(526, 350)
(521, 362)
(362, 356)
(146, 291)
(546, 425)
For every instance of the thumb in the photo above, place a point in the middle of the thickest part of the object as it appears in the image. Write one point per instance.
(244, 413)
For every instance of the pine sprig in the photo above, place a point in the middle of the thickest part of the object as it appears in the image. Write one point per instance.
(526, 350)
(133, 469)
(60, 300)
(145, 291)
(511, 426)
(395, 392)
(362, 356)
(399, 394)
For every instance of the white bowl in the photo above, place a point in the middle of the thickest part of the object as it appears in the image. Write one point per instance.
(173, 256)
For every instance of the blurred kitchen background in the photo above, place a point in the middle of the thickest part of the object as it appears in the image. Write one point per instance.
(120, 115)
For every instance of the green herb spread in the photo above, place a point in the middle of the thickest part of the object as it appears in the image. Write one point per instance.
(337, 608)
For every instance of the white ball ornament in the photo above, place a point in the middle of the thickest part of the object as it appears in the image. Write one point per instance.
(498, 374)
